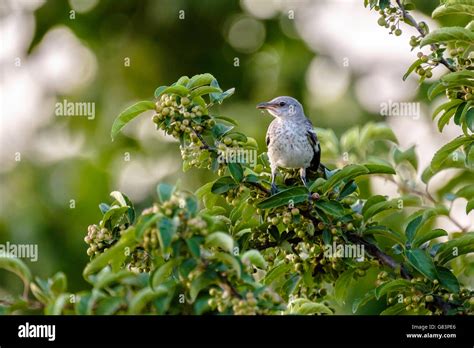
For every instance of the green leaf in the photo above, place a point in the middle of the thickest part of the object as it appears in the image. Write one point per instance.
(194, 245)
(286, 197)
(143, 297)
(412, 67)
(418, 241)
(372, 132)
(109, 278)
(435, 89)
(204, 90)
(384, 232)
(333, 208)
(372, 201)
(129, 114)
(383, 4)
(447, 279)
(124, 201)
(144, 222)
(395, 203)
(447, 35)
(470, 119)
(231, 261)
(446, 106)
(59, 283)
(255, 258)
(412, 228)
(17, 266)
(219, 97)
(200, 80)
(361, 301)
(223, 185)
(165, 191)
(276, 273)
(109, 305)
(183, 81)
(159, 91)
(451, 161)
(446, 117)
(56, 307)
(162, 273)
(422, 263)
(236, 171)
(408, 155)
(347, 173)
(167, 230)
(220, 130)
(226, 119)
(201, 282)
(290, 284)
(394, 309)
(442, 154)
(456, 247)
(470, 206)
(220, 239)
(342, 285)
(391, 286)
(375, 168)
(453, 9)
(458, 75)
(176, 89)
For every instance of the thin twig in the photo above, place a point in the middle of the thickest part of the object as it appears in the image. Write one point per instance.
(426, 194)
(205, 145)
(412, 20)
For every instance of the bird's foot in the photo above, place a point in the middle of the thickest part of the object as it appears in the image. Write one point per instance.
(274, 189)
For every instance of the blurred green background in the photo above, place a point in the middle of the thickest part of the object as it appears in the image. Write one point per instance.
(331, 55)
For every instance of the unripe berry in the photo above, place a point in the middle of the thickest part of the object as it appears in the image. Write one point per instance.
(185, 101)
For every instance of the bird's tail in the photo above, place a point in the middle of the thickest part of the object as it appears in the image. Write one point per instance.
(320, 167)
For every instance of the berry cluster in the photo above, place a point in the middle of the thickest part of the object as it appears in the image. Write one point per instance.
(421, 296)
(180, 117)
(390, 18)
(140, 261)
(99, 239)
(224, 302)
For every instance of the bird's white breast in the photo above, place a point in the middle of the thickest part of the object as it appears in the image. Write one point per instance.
(289, 146)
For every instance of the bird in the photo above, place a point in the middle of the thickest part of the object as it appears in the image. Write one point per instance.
(291, 139)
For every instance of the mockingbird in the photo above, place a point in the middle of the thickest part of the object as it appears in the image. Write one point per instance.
(291, 139)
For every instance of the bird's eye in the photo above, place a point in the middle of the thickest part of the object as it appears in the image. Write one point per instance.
(282, 103)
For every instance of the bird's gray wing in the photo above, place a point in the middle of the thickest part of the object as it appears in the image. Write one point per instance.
(313, 140)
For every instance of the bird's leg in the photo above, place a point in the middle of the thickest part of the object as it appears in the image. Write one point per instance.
(274, 188)
(303, 179)
(303, 176)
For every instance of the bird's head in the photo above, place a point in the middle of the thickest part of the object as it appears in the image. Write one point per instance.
(283, 107)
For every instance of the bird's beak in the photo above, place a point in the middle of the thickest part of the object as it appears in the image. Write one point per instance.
(266, 105)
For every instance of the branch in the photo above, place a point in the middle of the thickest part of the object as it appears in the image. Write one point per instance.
(426, 194)
(205, 145)
(413, 22)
